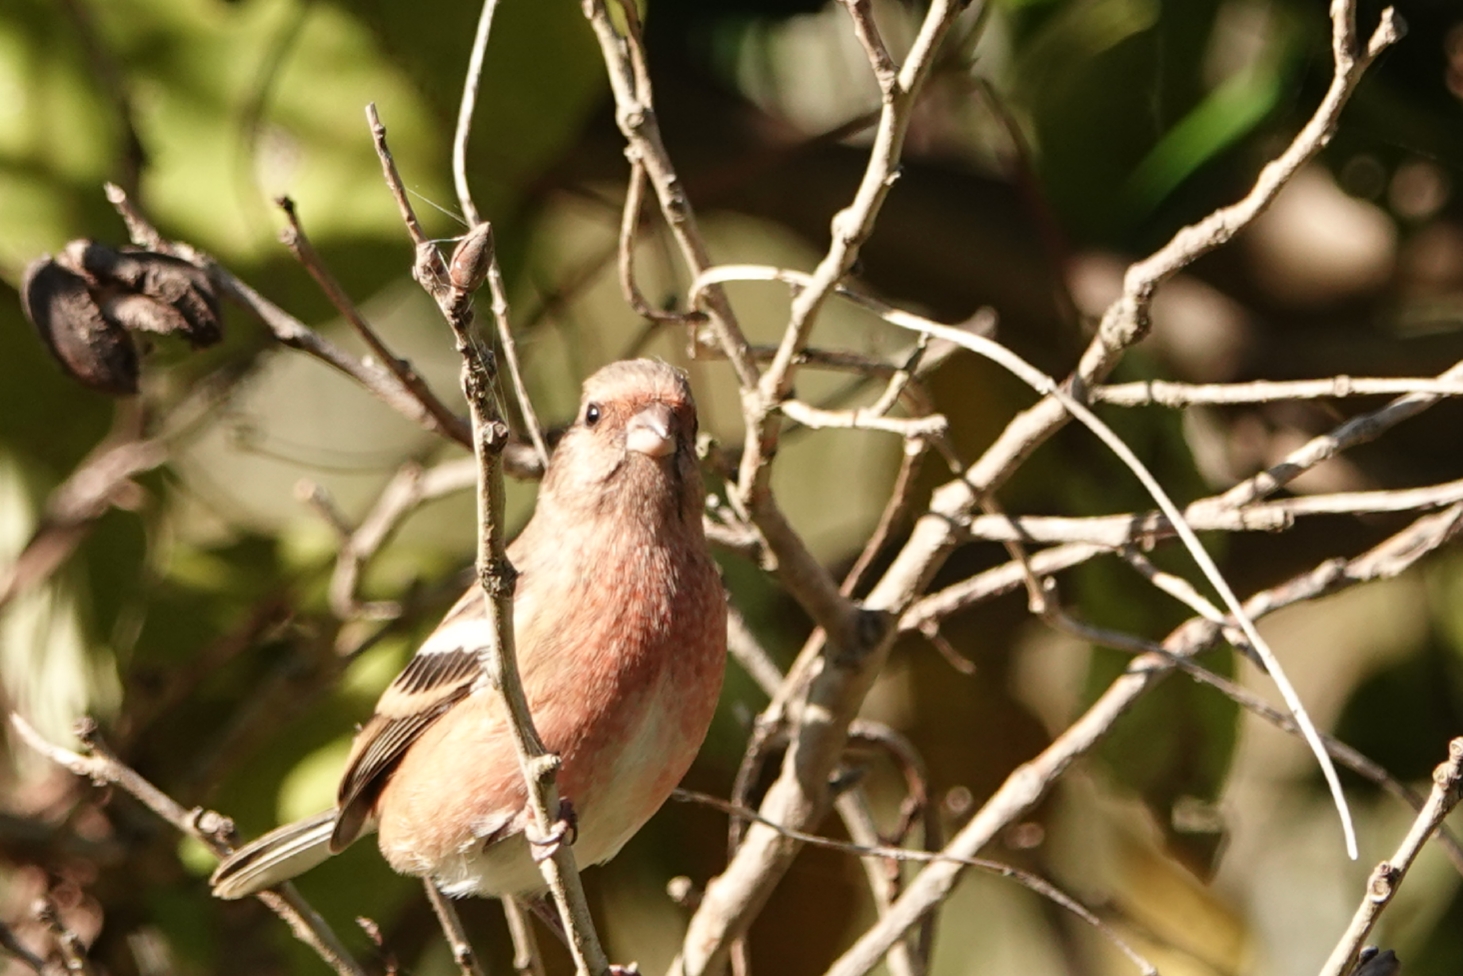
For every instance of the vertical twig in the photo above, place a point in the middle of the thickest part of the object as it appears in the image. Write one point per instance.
(477, 226)
(462, 954)
(452, 290)
(465, 111)
(635, 114)
(629, 231)
(499, 305)
(527, 960)
(68, 943)
(1387, 876)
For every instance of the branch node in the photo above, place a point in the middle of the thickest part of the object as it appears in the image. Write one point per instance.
(1391, 28)
(1383, 882)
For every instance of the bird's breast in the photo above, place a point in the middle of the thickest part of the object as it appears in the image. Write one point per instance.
(627, 700)
(621, 651)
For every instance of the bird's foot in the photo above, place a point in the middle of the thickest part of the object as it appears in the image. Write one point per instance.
(544, 846)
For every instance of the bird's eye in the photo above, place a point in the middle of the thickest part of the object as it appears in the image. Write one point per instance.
(591, 415)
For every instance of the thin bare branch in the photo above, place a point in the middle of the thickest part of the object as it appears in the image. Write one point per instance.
(452, 291)
(886, 72)
(1026, 786)
(624, 58)
(498, 293)
(1358, 430)
(629, 231)
(744, 647)
(211, 828)
(896, 509)
(465, 111)
(1387, 877)
(1117, 531)
(527, 960)
(1167, 394)
(385, 956)
(998, 581)
(293, 237)
(1026, 879)
(911, 428)
(904, 958)
(408, 489)
(1048, 387)
(462, 954)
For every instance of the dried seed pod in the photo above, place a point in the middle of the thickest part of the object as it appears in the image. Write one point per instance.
(95, 351)
(138, 313)
(164, 279)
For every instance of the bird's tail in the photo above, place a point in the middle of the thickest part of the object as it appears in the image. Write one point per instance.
(275, 858)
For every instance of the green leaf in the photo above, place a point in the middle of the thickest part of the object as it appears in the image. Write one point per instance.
(1227, 114)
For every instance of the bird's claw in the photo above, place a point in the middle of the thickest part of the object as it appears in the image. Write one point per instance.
(546, 845)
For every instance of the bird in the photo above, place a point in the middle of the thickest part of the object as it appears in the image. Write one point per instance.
(619, 621)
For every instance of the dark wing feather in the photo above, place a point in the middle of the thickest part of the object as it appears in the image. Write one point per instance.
(428, 674)
(430, 684)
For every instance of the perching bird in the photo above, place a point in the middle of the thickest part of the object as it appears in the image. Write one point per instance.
(620, 627)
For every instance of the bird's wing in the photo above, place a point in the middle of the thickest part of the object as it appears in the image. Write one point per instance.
(441, 673)
(444, 670)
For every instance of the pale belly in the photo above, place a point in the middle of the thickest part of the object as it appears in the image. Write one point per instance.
(613, 794)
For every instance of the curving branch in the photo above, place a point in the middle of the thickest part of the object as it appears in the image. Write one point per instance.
(408, 489)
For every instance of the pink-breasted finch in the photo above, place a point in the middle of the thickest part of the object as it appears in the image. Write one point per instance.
(620, 627)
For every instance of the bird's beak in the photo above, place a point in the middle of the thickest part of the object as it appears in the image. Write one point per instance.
(649, 432)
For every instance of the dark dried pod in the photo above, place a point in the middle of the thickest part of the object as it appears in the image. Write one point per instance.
(1372, 961)
(161, 277)
(470, 259)
(93, 350)
(138, 313)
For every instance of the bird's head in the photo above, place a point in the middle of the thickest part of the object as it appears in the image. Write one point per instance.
(632, 443)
